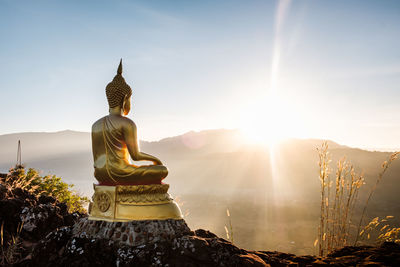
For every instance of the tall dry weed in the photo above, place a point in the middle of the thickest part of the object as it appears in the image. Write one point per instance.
(385, 165)
(339, 195)
(382, 229)
(11, 251)
(229, 231)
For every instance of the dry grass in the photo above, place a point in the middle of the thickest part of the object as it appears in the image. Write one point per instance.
(391, 235)
(11, 252)
(385, 166)
(339, 196)
(181, 204)
(382, 229)
(229, 231)
(18, 179)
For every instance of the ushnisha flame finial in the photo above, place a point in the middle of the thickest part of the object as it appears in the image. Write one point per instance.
(119, 71)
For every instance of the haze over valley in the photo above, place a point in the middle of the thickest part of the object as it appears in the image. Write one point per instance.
(273, 195)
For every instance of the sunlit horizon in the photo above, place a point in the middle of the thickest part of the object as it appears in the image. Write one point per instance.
(274, 70)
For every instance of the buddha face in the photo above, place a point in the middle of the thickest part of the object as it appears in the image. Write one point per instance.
(126, 106)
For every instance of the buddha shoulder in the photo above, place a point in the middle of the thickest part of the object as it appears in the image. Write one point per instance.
(125, 122)
(118, 121)
(97, 126)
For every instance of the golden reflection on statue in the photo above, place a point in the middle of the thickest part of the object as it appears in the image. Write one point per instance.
(114, 139)
(125, 191)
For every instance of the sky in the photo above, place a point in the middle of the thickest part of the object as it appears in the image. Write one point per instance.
(305, 69)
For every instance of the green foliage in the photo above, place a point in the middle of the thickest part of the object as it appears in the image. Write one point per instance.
(49, 185)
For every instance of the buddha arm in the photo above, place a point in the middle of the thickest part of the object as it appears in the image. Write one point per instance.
(130, 134)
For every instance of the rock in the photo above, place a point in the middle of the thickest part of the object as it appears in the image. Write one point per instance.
(204, 233)
(43, 218)
(46, 199)
(3, 191)
(51, 236)
(387, 254)
(186, 250)
(133, 233)
(26, 220)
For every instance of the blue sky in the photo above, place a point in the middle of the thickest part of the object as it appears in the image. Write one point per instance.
(197, 65)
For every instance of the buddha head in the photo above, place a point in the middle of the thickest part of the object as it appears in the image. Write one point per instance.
(119, 92)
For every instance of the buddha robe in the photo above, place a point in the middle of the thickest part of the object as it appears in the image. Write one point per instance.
(111, 159)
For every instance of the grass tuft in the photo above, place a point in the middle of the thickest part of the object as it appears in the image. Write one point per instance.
(229, 232)
(339, 195)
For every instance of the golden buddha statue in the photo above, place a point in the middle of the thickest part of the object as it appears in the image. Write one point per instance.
(125, 191)
(114, 139)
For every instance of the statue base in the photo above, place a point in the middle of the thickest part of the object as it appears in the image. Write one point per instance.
(133, 215)
(124, 203)
(133, 233)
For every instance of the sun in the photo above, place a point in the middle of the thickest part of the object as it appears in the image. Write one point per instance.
(268, 121)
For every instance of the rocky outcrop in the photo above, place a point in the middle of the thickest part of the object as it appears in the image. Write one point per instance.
(133, 233)
(387, 254)
(199, 248)
(26, 218)
(39, 231)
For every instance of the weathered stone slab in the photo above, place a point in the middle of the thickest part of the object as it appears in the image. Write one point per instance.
(132, 233)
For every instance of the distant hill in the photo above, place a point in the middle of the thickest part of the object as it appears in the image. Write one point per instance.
(277, 193)
(213, 161)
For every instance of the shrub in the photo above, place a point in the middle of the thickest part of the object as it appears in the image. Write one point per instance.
(49, 185)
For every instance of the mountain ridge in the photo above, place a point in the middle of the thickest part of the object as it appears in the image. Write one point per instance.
(220, 170)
